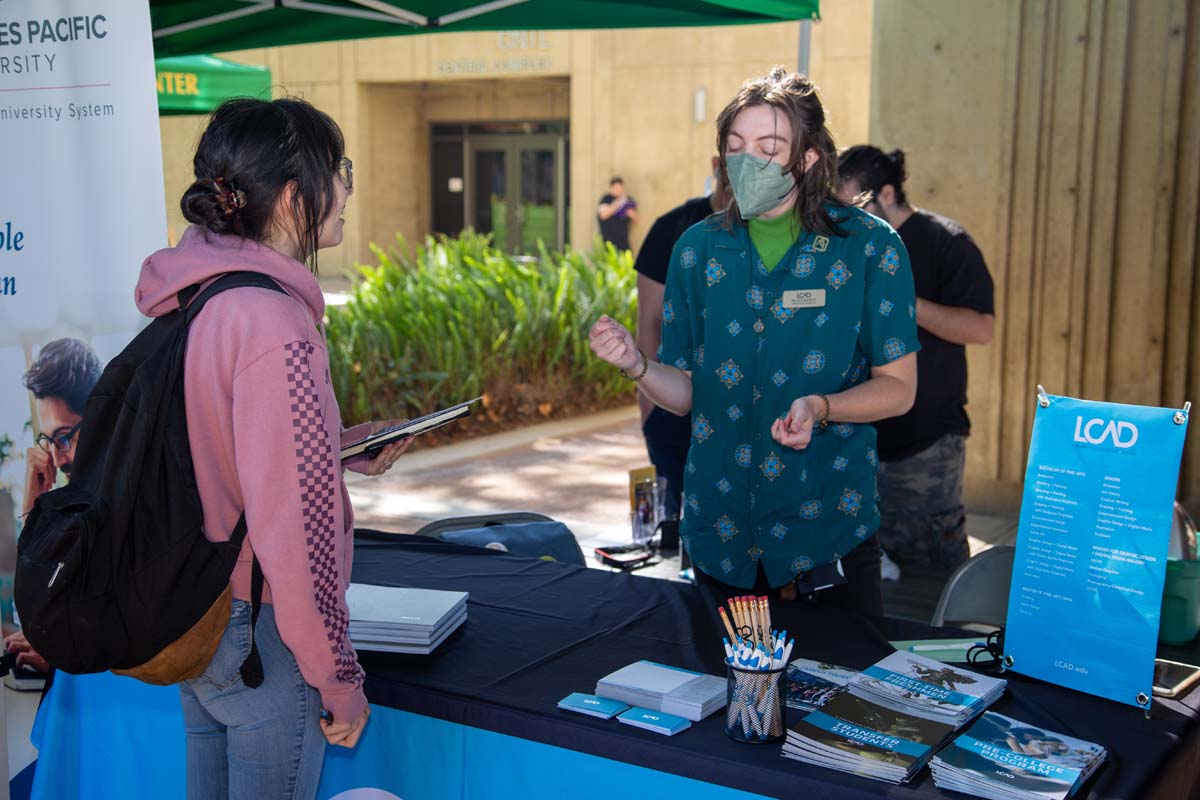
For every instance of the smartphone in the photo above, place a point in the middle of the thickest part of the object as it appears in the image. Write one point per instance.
(1173, 679)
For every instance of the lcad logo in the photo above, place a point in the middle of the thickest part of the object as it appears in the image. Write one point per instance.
(1122, 434)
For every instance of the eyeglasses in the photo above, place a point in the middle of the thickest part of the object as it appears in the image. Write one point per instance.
(61, 442)
(345, 171)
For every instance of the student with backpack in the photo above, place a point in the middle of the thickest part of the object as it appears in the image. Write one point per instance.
(272, 182)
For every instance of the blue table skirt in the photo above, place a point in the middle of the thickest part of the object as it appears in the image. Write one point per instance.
(127, 738)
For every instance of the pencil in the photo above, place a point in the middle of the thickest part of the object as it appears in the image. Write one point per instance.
(739, 616)
(756, 608)
(728, 627)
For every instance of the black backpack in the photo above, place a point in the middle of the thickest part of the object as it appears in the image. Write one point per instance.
(114, 571)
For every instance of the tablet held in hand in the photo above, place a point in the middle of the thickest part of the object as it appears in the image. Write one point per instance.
(373, 443)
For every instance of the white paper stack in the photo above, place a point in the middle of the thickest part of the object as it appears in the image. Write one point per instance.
(687, 694)
(1003, 758)
(391, 619)
(922, 687)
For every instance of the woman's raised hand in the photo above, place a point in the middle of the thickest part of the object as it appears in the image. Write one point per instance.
(611, 342)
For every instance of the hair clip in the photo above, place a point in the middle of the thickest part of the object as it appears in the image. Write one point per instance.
(231, 200)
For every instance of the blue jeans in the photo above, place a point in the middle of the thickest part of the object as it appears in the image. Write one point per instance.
(252, 744)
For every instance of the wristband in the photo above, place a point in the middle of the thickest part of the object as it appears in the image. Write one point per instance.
(645, 368)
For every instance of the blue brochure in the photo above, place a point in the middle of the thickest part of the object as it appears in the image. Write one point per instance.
(657, 721)
(1091, 559)
(592, 705)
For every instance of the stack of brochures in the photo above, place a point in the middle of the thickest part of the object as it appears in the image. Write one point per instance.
(913, 684)
(892, 717)
(687, 694)
(1003, 758)
(395, 620)
(812, 684)
(854, 735)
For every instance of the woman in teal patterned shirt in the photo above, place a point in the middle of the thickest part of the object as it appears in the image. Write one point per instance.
(788, 327)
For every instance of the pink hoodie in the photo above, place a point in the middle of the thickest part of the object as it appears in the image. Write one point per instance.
(265, 431)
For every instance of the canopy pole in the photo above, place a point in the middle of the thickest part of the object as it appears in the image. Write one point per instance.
(396, 16)
(475, 11)
(390, 10)
(805, 46)
(217, 19)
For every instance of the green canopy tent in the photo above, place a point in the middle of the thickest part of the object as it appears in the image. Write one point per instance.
(198, 84)
(205, 26)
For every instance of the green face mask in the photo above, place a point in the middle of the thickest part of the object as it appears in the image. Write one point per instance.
(758, 185)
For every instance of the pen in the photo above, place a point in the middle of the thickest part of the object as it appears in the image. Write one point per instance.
(921, 648)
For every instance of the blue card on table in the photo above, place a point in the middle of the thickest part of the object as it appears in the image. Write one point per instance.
(592, 705)
(656, 721)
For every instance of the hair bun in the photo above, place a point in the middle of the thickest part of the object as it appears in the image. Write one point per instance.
(897, 159)
(202, 204)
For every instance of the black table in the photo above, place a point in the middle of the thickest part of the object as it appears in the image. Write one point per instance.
(538, 630)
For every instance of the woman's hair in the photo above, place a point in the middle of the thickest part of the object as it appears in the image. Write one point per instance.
(874, 169)
(249, 153)
(796, 97)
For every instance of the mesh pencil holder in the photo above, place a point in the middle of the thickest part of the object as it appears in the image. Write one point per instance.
(755, 710)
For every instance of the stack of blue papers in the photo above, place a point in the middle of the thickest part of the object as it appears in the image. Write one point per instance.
(592, 705)
(657, 721)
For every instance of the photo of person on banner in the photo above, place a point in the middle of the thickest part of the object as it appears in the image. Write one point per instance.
(60, 380)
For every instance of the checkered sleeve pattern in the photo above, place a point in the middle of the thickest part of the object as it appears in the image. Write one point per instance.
(318, 476)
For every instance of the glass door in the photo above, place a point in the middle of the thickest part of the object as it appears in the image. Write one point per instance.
(516, 190)
(489, 199)
(537, 217)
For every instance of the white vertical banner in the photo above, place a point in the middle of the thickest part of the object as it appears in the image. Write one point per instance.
(81, 204)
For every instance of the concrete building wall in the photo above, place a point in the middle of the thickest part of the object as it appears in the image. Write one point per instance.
(1064, 135)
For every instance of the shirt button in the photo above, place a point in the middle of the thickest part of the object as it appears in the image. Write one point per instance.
(758, 326)
(758, 436)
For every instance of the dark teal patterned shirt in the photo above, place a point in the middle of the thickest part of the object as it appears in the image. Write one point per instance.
(755, 341)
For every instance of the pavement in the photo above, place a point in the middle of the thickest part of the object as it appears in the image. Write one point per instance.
(577, 471)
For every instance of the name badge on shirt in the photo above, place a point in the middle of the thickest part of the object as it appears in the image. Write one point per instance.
(804, 298)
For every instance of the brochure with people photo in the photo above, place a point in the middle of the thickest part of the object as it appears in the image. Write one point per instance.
(917, 685)
(851, 734)
(1000, 757)
(812, 684)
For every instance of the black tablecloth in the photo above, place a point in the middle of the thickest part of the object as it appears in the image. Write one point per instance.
(537, 631)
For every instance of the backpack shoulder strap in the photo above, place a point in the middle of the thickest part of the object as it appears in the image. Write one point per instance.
(193, 300)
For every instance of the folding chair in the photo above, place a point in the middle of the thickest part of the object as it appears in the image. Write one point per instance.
(977, 592)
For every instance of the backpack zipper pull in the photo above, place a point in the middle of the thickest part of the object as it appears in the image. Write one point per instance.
(57, 570)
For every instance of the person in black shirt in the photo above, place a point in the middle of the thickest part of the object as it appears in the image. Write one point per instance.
(616, 212)
(667, 435)
(923, 453)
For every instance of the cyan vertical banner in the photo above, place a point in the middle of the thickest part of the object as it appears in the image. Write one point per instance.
(1091, 559)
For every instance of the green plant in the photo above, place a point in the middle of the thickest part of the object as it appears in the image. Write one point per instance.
(456, 317)
(6, 446)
